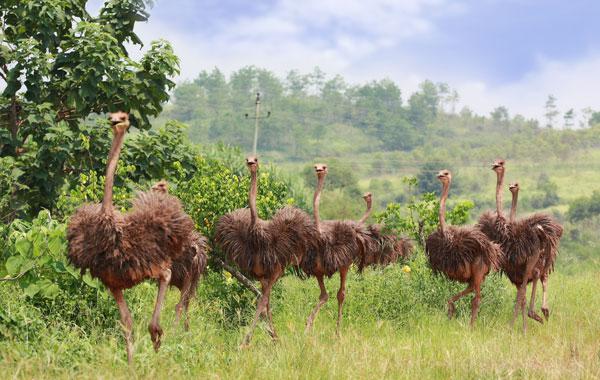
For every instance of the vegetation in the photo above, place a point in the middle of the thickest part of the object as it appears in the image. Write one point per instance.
(61, 68)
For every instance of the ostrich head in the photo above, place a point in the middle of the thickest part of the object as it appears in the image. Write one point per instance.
(252, 163)
(444, 176)
(161, 187)
(498, 166)
(321, 170)
(367, 196)
(514, 187)
(119, 121)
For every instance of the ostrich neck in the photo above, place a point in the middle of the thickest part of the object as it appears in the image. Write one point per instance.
(316, 200)
(367, 212)
(445, 189)
(499, 184)
(111, 167)
(252, 197)
(513, 207)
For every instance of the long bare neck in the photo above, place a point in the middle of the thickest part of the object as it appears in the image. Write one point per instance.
(111, 167)
(499, 184)
(445, 189)
(316, 200)
(513, 207)
(252, 196)
(367, 212)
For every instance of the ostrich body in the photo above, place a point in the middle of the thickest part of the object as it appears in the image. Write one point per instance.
(549, 232)
(339, 244)
(462, 254)
(522, 246)
(123, 250)
(262, 249)
(381, 248)
(187, 269)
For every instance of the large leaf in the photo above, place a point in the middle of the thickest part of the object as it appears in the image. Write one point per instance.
(32, 290)
(23, 246)
(13, 265)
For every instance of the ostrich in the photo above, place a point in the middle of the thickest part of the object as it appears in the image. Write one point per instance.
(380, 248)
(263, 249)
(123, 250)
(549, 232)
(462, 254)
(520, 243)
(339, 245)
(187, 269)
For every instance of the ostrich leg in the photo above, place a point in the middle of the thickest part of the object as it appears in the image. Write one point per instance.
(522, 292)
(126, 322)
(545, 309)
(154, 328)
(531, 312)
(322, 299)
(272, 331)
(478, 278)
(455, 298)
(260, 309)
(341, 296)
(183, 304)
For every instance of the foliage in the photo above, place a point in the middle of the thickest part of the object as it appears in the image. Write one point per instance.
(215, 189)
(59, 65)
(420, 216)
(584, 207)
(339, 176)
(547, 193)
(146, 155)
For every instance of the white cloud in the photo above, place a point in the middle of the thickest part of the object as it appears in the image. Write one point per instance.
(346, 37)
(575, 84)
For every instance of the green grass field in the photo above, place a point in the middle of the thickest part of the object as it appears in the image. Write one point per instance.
(419, 342)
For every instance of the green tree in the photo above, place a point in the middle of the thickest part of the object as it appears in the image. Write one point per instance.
(60, 64)
(551, 111)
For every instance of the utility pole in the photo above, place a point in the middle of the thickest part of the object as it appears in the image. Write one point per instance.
(257, 117)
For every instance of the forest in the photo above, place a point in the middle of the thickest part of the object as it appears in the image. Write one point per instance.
(63, 70)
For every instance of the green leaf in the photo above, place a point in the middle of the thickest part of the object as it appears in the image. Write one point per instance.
(13, 264)
(55, 245)
(23, 246)
(90, 281)
(32, 290)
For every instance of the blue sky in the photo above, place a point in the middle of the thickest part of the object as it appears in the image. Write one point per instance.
(510, 52)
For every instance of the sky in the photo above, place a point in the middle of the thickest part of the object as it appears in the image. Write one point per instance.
(511, 53)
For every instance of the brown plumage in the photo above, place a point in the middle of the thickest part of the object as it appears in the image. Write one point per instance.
(263, 249)
(380, 248)
(549, 233)
(338, 245)
(520, 243)
(123, 250)
(187, 269)
(462, 254)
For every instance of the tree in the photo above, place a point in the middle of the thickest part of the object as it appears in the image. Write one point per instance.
(551, 111)
(423, 105)
(59, 64)
(500, 114)
(569, 117)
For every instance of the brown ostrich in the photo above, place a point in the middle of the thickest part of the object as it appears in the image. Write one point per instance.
(381, 248)
(123, 250)
(462, 254)
(520, 243)
(339, 245)
(262, 249)
(188, 268)
(549, 233)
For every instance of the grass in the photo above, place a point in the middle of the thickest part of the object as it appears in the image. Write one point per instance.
(426, 345)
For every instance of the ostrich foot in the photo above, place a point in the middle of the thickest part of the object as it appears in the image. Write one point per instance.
(533, 315)
(546, 312)
(156, 333)
(451, 310)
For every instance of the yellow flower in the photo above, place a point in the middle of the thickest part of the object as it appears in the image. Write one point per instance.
(406, 269)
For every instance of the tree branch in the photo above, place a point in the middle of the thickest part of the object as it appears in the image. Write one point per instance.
(240, 277)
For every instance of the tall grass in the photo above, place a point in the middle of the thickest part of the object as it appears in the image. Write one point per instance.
(391, 329)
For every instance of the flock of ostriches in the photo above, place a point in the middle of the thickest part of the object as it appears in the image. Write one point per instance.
(157, 240)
